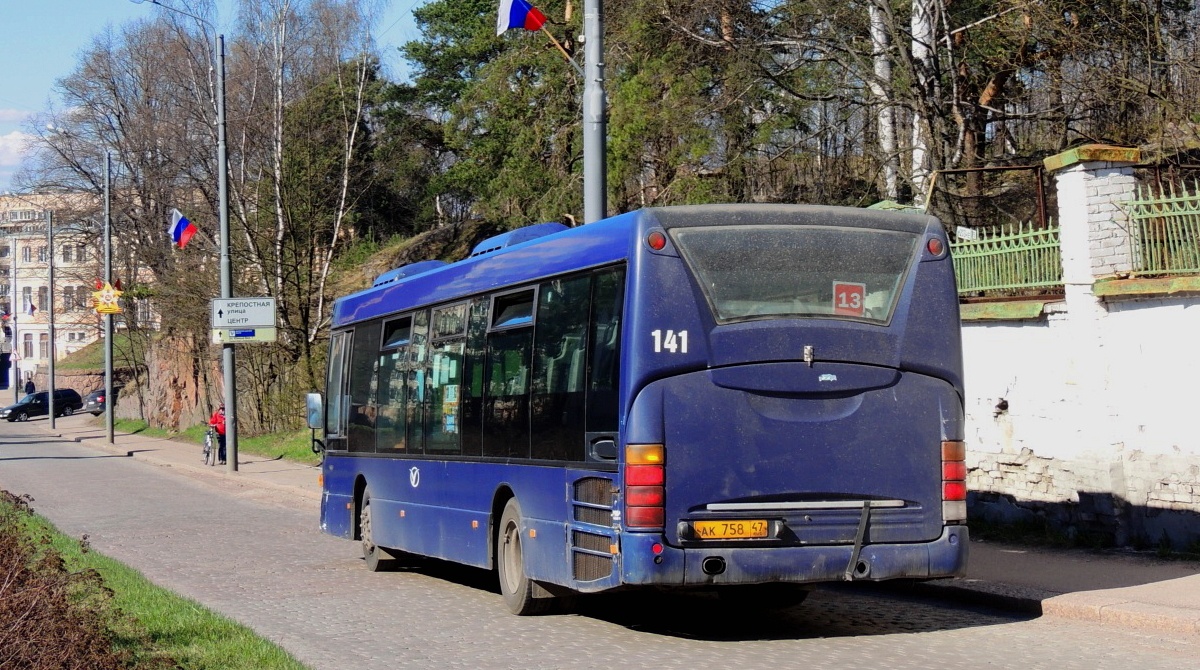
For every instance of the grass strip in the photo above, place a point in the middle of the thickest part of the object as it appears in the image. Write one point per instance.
(154, 623)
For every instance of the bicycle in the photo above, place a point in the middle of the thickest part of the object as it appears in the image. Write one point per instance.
(210, 447)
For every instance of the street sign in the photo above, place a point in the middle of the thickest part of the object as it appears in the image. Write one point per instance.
(234, 335)
(243, 313)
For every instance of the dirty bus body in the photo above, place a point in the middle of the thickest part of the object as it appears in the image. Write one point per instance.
(716, 396)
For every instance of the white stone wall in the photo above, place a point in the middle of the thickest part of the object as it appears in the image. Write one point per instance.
(1116, 431)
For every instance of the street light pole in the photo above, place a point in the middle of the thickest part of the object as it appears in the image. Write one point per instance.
(108, 318)
(227, 358)
(595, 175)
(50, 313)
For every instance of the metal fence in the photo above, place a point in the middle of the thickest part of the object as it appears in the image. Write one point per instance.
(1165, 232)
(1007, 260)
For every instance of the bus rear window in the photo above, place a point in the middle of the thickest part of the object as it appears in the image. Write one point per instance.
(760, 272)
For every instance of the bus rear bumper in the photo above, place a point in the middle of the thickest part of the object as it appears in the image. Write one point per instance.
(700, 566)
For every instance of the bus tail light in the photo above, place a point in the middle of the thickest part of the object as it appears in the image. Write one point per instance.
(644, 492)
(954, 481)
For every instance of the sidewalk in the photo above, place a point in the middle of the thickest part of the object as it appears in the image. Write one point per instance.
(1114, 588)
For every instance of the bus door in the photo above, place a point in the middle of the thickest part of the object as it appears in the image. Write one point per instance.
(337, 402)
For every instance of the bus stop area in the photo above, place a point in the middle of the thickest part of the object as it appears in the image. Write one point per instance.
(1119, 588)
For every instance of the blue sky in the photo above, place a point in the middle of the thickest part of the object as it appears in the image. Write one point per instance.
(43, 40)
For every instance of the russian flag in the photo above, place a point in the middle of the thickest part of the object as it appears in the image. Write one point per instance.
(519, 14)
(181, 229)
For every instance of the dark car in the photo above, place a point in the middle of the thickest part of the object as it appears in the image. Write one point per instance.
(66, 402)
(94, 402)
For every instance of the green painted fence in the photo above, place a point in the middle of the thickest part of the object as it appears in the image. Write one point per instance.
(1165, 232)
(1006, 260)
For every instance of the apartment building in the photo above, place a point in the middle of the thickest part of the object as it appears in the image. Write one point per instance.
(25, 289)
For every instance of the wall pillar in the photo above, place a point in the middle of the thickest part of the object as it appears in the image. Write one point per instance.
(1092, 182)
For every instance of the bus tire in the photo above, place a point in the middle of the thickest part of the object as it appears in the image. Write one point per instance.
(377, 558)
(515, 585)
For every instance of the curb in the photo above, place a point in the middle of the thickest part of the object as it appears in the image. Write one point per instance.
(1102, 607)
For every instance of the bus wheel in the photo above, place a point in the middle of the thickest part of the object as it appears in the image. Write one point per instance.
(378, 559)
(516, 587)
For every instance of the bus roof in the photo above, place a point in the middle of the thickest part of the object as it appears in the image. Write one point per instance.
(538, 251)
(595, 244)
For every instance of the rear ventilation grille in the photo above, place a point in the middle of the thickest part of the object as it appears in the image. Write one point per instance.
(590, 567)
(594, 491)
(591, 552)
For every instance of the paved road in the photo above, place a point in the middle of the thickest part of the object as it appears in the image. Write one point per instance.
(257, 557)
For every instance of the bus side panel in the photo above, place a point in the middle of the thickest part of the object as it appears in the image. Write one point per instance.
(447, 514)
(337, 496)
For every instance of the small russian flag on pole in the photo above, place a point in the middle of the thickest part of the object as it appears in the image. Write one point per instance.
(181, 229)
(519, 14)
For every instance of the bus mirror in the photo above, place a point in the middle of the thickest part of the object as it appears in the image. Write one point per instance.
(315, 411)
(604, 449)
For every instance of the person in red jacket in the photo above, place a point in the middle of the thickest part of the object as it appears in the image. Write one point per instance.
(217, 421)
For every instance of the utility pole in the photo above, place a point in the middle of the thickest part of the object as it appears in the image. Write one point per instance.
(108, 318)
(595, 172)
(50, 312)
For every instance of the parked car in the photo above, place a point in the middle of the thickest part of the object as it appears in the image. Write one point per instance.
(66, 402)
(94, 402)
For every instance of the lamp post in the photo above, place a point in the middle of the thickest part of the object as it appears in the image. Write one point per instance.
(50, 314)
(108, 318)
(227, 358)
(595, 175)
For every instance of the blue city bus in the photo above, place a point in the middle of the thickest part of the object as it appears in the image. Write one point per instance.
(749, 399)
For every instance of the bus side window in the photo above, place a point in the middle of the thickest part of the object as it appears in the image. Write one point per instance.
(557, 403)
(509, 354)
(471, 416)
(415, 393)
(364, 363)
(391, 432)
(604, 355)
(449, 325)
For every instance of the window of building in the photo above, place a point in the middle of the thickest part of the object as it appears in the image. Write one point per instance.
(82, 293)
(26, 297)
(4, 251)
(67, 249)
(44, 346)
(27, 345)
(43, 298)
(69, 299)
(25, 254)
(41, 254)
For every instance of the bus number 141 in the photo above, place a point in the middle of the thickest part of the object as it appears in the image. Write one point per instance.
(672, 341)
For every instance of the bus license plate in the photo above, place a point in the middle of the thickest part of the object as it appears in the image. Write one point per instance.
(735, 529)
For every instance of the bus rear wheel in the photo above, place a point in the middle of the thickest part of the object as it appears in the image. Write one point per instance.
(377, 558)
(515, 585)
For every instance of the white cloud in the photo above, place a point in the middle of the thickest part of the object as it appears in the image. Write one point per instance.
(13, 115)
(12, 148)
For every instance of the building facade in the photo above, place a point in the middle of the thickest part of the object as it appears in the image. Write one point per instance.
(27, 299)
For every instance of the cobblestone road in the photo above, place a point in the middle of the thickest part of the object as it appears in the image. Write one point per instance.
(259, 558)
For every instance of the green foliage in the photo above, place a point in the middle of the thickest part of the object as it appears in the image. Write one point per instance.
(91, 357)
(108, 615)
